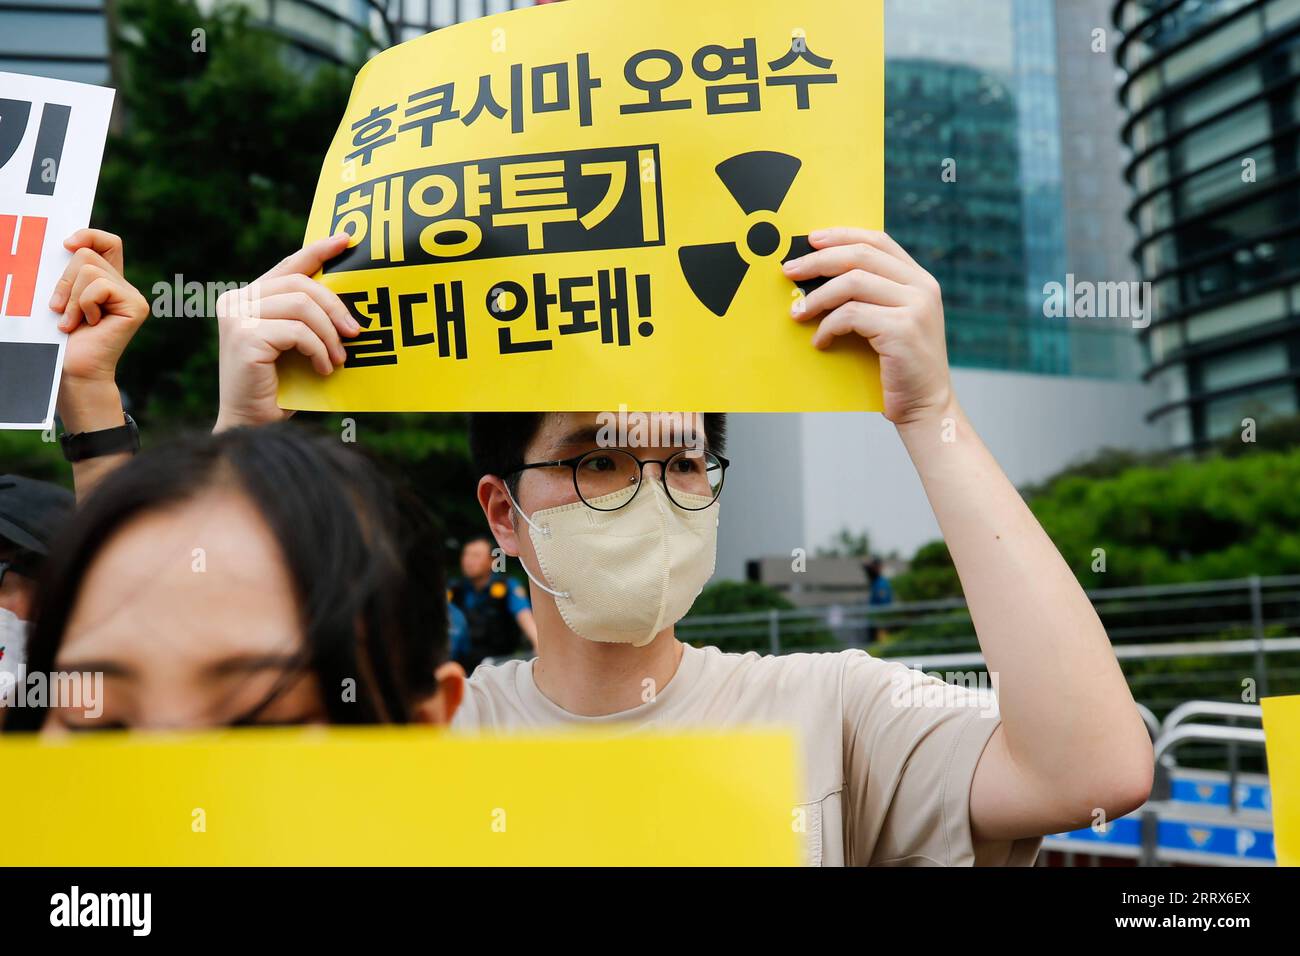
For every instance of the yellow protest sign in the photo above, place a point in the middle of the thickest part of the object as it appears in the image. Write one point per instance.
(580, 205)
(399, 797)
(1282, 742)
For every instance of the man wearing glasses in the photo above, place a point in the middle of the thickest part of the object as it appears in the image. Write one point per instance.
(899, 768)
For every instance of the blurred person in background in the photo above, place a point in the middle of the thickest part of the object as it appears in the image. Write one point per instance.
(457, 630)
(31, 512)
(879, 593)
(497, 610)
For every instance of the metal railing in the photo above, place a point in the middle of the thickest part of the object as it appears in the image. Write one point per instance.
(1175, 735)
(1193, 816)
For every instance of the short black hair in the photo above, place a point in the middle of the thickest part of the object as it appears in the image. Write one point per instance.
(497, 440)
(365, 557)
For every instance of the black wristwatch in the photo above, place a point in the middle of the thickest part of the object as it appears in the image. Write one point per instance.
(124, 439)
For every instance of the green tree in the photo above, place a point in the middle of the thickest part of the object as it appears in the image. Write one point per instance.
(847, 544)
(738, 597)
(1156, 519)
(1151, 520)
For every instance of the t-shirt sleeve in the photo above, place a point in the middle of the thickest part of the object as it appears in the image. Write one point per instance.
(517, 600)
(911, 745)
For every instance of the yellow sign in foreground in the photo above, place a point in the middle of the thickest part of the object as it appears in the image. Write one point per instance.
(1282, 741)
(581, 205)
(399, 797)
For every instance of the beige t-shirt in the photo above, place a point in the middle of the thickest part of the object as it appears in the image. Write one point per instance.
(888, 753)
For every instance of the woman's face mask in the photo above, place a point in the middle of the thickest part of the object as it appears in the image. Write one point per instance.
(621, 577)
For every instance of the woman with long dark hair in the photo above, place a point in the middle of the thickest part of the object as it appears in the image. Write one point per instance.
(258, 576)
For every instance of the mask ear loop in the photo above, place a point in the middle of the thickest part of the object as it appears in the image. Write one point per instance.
(545, 532)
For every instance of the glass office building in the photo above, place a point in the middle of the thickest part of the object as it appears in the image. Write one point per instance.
(1214, 128)
(64, 39)
(1038, 111)
(942, 112)
(1028, 199)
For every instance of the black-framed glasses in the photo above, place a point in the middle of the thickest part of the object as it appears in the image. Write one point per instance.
(4, 569)
(607, 479)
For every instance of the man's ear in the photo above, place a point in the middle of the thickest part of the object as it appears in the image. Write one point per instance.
(495, 502)
(440, 707)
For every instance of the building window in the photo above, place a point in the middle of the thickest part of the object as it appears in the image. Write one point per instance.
(1242, 367)
(1239, 315)
(1224, 416)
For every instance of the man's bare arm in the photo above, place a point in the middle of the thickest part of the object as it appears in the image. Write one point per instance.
(1072, 743)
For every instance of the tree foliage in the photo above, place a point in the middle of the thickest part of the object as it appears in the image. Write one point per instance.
(1172, 521)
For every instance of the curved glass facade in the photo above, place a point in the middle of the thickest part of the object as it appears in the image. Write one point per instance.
(332, 31)
(1212, 91)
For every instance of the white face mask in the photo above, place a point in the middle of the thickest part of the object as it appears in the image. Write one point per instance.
(13, 638)
(621, 577)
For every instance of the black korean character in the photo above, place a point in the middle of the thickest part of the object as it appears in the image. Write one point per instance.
(435, 106)
(799, 50)
(373, 346)
(375, 212)
(372, 131)
(352, 214)
(486, 100)
(577, 309)
(449, 319)
(530, 193)
(613, 306)
(561, 101)
(507, 301)
(655, 88)
(740, 61)
(446, 237)
(542, 301)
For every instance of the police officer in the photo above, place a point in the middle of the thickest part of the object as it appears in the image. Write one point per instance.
(496, 609)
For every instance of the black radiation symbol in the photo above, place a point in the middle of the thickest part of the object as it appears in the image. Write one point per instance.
(759, 182)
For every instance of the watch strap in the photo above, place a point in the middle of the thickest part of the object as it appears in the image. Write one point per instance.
(124, 439)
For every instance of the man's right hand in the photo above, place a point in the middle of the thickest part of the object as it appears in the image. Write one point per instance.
(283, 310)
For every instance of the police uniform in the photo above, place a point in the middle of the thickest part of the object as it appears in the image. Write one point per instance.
(490, 614)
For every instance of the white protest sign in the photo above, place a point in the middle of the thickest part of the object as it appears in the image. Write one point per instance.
(51, 143)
